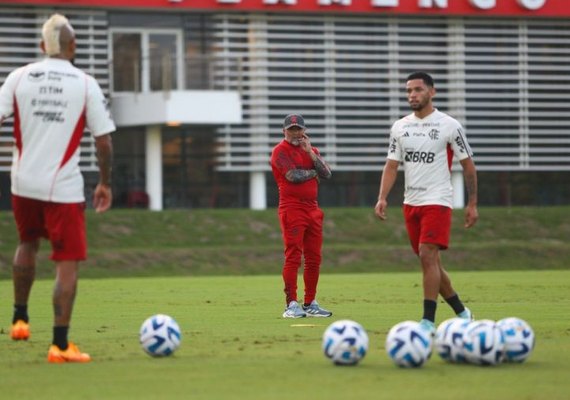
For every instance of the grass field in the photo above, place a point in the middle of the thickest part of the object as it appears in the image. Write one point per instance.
(235, 344)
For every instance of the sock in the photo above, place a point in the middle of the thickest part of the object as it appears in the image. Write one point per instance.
(20, 313)
(429, 310)
(455, 303)
(60, 336)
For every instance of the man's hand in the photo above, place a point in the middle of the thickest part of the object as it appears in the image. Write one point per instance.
(102, 198)
(471, 216)
(380, 209)
(305, 143)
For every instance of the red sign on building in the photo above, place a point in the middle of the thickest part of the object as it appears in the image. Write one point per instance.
(538, 8)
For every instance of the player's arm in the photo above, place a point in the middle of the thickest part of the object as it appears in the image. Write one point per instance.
(389, 175)
(470, 176)
(103, 196)
(287, 167)
(321, 167)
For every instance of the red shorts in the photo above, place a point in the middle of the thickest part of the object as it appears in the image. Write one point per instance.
(62, 223)
(428, 224)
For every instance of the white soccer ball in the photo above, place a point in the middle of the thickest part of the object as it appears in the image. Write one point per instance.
(408, 344)
(345, 342)
(519, 339)
(449, 339)
(160, 335)
(483, 343)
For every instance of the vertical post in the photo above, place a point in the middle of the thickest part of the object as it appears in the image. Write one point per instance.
(458, 189)
(154, 166)
(257, 191)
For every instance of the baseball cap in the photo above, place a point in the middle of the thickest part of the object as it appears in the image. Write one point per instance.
(294, 120)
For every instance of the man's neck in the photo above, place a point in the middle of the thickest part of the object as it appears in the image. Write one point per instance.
(424, 112)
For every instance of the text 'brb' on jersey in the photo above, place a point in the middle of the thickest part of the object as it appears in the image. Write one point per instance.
(426, 148)
(52, 102)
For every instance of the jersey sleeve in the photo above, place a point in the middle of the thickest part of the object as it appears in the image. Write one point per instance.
(7, 95)
(98, 115)
(281, 161)
(394, 148)
(459, 143)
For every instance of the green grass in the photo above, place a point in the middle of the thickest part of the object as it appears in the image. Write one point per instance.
(236, 346)
(126, 243)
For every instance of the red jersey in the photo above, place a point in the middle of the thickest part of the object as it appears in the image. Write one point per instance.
(284, 158)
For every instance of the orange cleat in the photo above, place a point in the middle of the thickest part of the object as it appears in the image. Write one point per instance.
(71, 354)
(20, 330)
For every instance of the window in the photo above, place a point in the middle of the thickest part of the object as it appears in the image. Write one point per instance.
(146, 60)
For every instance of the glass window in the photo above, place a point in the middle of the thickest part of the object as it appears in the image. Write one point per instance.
(162, 54)
(127, 59)
(146, 60)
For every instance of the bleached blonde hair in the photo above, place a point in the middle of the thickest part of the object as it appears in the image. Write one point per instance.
(51, 33)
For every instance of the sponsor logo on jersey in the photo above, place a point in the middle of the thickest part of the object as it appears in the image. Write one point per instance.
(419, 157)
(433, 134)
(460, 143)
(36, 76)
(49, 116)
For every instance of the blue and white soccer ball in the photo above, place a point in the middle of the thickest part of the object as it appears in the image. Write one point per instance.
(160, 335)
(345, 342)
(449, 339)
(519, 339)
(408, 344)
(483, 343)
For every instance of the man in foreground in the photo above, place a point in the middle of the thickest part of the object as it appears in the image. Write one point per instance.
(425, 142)
(52, 102)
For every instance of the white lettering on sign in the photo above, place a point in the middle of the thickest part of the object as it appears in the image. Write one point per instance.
(430, 3)
(229, 1)
(339, 2)
(288, 2)
(385, 3)
(483, 4)
(531, 4)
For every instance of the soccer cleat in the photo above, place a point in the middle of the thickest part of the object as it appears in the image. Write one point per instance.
(20, 330)
(314, 310)
(294, 310)
(428, 326)
(466, 314)
(71, 354)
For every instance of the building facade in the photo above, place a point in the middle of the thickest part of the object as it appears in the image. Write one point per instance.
(199, 90)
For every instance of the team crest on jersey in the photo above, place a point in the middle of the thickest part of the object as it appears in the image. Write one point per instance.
(433, 134)
(36, 76)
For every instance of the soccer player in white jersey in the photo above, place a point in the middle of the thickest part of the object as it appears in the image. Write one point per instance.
(52, 102)
(425, 142)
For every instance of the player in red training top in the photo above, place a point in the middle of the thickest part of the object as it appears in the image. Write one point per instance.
(425, 142)
(298, 168)
(52, 102)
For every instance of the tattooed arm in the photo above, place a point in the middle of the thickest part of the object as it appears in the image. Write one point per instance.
(321, 167)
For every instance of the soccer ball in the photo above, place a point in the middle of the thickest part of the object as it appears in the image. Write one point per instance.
(408, 344)
(345, 342)
(483, 343)
(519, 339)
(449, 339)
(159, 335)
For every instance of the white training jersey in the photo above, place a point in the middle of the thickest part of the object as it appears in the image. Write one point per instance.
(426, 148)
(52, 102)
